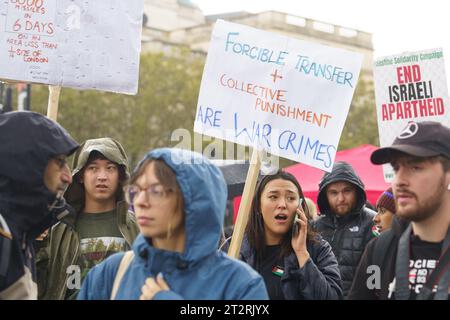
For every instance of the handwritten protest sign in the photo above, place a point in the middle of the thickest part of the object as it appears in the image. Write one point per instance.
(286, 96)
(82, 44)
(409, 86)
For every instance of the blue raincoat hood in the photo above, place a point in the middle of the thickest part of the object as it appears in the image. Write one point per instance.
(201, 271)
(204, 193)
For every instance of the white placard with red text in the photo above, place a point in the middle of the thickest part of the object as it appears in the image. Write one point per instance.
(411, 86)
(85, 44)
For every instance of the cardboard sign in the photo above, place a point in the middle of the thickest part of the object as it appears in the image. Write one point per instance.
(288, 97)
(409, 86)
(85, 44)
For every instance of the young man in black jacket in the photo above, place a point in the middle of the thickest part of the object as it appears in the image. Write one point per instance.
(411, 261)
(344, 220)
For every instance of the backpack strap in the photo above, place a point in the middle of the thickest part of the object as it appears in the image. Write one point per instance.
(124, 264)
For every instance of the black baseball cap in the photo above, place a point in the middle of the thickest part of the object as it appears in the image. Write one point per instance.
(420, 139)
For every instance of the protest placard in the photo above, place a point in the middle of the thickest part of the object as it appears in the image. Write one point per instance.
(81, 44)
(411, 86)
(286, 96)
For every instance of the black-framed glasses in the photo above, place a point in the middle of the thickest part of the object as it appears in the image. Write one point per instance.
(153, 193)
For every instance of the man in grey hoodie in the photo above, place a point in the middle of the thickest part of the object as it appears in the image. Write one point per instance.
(102, 224)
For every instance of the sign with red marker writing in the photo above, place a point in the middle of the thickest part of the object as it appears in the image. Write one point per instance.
(286, 96)
(84, 44)
(409, 86)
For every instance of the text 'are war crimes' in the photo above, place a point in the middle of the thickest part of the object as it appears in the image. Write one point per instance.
(304, 64)
(271, 139)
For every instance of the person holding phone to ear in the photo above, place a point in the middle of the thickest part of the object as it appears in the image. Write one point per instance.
(279, 243)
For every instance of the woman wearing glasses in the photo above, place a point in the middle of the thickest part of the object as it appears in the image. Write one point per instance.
(179, 199)
(280, 244)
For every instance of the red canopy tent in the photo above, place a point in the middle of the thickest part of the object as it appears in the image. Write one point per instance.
(359, 158)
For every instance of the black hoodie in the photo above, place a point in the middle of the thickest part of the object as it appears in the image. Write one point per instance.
(348, 235)
(359, 289)
(28, 141)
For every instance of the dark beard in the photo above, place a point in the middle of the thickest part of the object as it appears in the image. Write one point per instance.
(428, 207)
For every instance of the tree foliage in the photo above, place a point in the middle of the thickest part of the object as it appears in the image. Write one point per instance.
(166, 100)
(361, 124)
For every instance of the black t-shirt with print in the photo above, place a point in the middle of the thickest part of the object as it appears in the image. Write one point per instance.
(423, 260)
(424, 257)
(271, 267)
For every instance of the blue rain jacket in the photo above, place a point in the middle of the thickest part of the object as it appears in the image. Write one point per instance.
(201, 271)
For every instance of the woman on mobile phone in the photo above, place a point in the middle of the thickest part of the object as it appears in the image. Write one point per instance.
(295, 264)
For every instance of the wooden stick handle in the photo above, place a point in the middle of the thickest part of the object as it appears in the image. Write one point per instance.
(246, 204)
(53, 102)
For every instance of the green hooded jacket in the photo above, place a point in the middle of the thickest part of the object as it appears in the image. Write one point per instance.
(62, 246)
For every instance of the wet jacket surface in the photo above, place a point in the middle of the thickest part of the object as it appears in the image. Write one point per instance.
(201, 271)
(359, 289)
(318, 279)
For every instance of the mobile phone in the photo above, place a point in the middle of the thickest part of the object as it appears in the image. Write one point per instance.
(296, 224)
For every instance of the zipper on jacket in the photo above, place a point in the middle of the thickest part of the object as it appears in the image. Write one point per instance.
(125, 224)
(335, 226)
(123, 235)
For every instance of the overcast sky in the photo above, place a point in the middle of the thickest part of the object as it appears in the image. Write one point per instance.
(396, 25)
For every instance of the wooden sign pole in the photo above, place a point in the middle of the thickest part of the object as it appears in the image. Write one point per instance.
(246, 204)
(53, 102)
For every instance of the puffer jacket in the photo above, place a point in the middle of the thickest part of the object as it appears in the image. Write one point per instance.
(62, 250)
(201, 271)
(348, 235)
(28, 141)
(318, 279)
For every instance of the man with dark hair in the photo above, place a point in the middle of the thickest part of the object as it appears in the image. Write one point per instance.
(411, 260)
(345, 221)
(33, 176)
(102, 224)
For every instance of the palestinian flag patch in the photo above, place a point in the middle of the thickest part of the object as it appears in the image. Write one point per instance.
(277, 271)
(376, 231)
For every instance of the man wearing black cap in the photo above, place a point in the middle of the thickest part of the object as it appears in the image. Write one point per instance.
(411, 261)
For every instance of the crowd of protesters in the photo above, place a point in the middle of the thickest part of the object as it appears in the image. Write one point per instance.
(100, 232)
